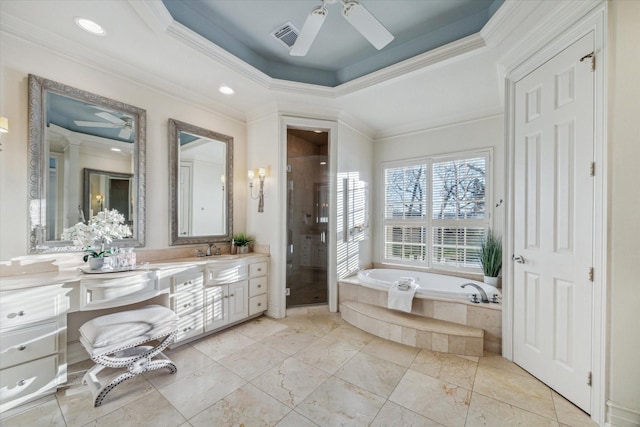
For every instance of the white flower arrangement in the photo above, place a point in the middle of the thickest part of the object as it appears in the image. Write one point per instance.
(102, 228)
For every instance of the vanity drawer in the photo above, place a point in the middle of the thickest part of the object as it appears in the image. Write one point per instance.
(186, 282)
(28, 378)
(15, 309)
(27, 344)
(222, 275)
(257, 304)
(257, 286)
(186, 302)
(190, 325)
(258, 269)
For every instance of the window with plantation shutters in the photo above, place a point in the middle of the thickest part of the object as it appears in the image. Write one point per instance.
(435, 211)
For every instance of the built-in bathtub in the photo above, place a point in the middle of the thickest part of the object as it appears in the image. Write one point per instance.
(440, 297)
(431, 285)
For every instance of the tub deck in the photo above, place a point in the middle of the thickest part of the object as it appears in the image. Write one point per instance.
(484, 317)
(416, 331)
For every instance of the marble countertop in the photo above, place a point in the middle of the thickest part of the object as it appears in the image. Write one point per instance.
(74, 274)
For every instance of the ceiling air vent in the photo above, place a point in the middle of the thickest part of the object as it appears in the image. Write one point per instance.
(287, 34)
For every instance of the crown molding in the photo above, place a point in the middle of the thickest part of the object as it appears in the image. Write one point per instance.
(153, 13)
(123, 70)
(508, 18)
(150, 10)
(427, 125)
(435, 57)
(557, 17)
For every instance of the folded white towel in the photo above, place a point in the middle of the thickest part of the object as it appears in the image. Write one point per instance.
(400, 299)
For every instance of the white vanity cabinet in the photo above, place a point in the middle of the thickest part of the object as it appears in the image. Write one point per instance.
(187, 301)
(33, 339)
(225, 304)
(234, 291)
(258, 272)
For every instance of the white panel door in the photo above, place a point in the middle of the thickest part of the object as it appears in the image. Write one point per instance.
(553, 223)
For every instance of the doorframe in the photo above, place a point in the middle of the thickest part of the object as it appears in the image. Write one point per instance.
(594, 21)
(331, 127)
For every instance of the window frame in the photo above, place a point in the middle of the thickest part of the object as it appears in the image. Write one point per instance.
(428, 222)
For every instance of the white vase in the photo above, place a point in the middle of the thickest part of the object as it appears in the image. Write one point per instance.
(243, 249)
(493, 281)
(96, 263)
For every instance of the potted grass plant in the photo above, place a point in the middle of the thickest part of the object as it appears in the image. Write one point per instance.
(491, 257)
(242, 241)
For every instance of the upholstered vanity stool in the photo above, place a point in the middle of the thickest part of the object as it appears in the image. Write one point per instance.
(114, 341)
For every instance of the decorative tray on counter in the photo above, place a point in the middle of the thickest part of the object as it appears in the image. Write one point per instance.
(87, 270)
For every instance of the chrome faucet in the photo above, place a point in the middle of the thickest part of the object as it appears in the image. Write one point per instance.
(209, 248)
(483, 294)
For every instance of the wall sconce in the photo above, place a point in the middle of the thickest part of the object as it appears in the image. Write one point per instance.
(261, 174)
(222, 181)
(99, 199)
(4, 127)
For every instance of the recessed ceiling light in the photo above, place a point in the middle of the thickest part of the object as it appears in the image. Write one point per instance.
(323, 163)
(318, 131)
(90, 26)
(115, 149)
(226, 90)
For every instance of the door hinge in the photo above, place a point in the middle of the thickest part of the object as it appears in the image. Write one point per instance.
(592, 57)
(591, 274)
(592, 169)
(589, 379)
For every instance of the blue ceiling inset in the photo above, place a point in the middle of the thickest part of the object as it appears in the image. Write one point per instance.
(339, 54)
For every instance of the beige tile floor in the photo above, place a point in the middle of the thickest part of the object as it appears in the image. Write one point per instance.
(311, 369)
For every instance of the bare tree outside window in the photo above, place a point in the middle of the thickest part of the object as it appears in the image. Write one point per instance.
(455, 215)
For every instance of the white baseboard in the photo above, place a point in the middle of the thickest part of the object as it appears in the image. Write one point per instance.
(620, 416)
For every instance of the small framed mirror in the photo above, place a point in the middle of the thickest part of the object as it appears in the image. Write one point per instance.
(105, 190)
(201, 184)
(72, 131)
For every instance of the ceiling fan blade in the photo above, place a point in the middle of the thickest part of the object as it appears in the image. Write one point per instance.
(125, 133)
(309, 31)
(94, 124)
(111, 118)
(366, 24)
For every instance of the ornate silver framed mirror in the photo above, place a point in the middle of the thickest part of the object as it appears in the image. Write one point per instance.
(201, 185)
(71, 130)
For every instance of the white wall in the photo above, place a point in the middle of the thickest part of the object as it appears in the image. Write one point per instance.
(18, 59)
(355, 154)
(263, 150)
(624, 219)
(472, 135)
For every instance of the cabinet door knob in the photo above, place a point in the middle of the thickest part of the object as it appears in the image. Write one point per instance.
(21, 383)
(187, 305)
(259, 304)
(21, 313)
(232, 295)
(22, 347)
(259, 286)
(226, 296)
(259, 269)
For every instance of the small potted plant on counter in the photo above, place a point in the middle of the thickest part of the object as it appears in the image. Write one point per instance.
(491, 257)
(242, 241)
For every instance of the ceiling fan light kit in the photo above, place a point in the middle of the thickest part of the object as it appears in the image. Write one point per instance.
(356, 14)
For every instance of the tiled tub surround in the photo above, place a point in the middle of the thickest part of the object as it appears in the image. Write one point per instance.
(487, 317)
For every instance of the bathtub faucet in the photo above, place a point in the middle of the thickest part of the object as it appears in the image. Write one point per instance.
(483, 294)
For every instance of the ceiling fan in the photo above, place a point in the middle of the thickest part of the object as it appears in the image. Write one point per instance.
(356, 14)
(125, 123)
